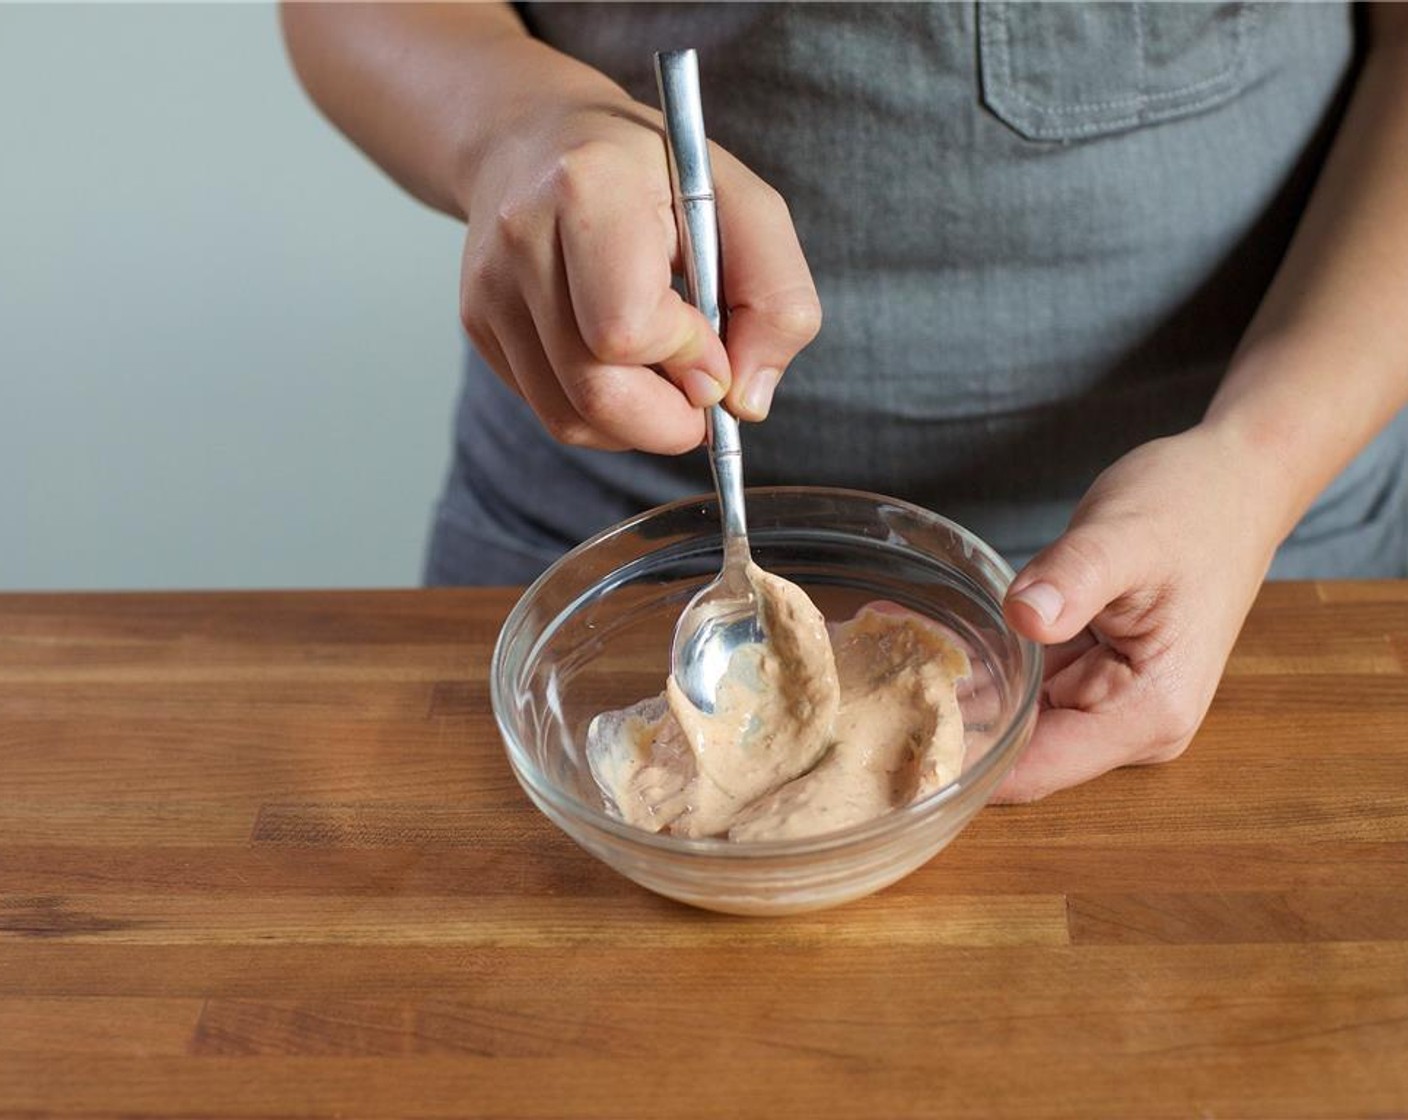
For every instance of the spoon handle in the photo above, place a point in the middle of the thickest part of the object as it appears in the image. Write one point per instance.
(692, 183)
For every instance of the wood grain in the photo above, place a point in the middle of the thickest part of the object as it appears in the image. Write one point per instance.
(261, 855)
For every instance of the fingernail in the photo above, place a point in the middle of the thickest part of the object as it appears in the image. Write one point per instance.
(1044, 599)
(757, 398)
(701, 389)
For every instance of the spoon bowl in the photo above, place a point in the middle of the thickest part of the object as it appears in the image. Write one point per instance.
(722, 618)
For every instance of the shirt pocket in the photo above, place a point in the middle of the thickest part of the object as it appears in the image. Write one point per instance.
(1066, 71)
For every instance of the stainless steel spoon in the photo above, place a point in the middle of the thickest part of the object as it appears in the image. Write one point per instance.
(724, 615)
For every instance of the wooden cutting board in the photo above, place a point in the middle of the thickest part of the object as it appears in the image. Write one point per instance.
(261, 855)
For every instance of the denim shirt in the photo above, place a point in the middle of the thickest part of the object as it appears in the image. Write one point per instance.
(1038, 232)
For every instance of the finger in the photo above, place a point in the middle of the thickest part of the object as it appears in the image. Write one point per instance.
(501, 329)
(1156, 703)
(773, 310)
(537, 380)
(1067, 748)
(1096, 681)
(980, 700)
(617, 236)
(582, 401)
(486, 345)
(483, 292)
(1072, 580)
(1057, 657)
(627, 405)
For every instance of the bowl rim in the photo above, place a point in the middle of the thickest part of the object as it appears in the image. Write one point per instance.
(896, 821)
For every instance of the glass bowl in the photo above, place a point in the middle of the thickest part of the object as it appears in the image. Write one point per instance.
(593, 634)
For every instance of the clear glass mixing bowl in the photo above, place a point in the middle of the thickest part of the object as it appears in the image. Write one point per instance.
(593, 633)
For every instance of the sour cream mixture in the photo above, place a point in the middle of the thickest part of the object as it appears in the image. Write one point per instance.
(821, 729)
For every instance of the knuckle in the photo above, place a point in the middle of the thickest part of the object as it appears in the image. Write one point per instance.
(600, 399)
(797, 316)
(474, 317)
(1022, 787)
(582, 169)
(480, 273)
(473, 299)
(1167, 753)
(485, 290)
(469, 315)
(478, 333)
(770, 197)
(616, 339)
(569, 429)
(1026, 794)
(514, 223)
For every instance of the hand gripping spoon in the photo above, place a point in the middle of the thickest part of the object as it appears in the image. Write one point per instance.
(724, 616)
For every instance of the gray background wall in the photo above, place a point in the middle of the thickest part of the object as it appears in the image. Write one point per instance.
(228, 345)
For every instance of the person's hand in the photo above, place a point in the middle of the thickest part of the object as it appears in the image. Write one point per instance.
(566, 287)
(1140, 601)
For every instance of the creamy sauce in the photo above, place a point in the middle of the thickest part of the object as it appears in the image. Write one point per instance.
(821, 729)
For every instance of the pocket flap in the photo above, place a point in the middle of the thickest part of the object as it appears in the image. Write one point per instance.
(1060, 71)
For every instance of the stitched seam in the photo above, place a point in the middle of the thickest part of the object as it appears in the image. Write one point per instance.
(1136, 101)
(1143, 55)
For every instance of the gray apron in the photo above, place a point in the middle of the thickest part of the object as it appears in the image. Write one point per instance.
(1038, 232)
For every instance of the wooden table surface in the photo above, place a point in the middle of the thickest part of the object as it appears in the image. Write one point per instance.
(261, 855)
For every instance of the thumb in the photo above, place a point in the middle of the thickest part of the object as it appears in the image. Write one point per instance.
(1069, 582)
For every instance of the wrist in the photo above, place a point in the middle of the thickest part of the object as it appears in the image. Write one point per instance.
(1262, 454)
(522, 95)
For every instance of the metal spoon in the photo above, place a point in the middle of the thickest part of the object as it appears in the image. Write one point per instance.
(724, 615)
